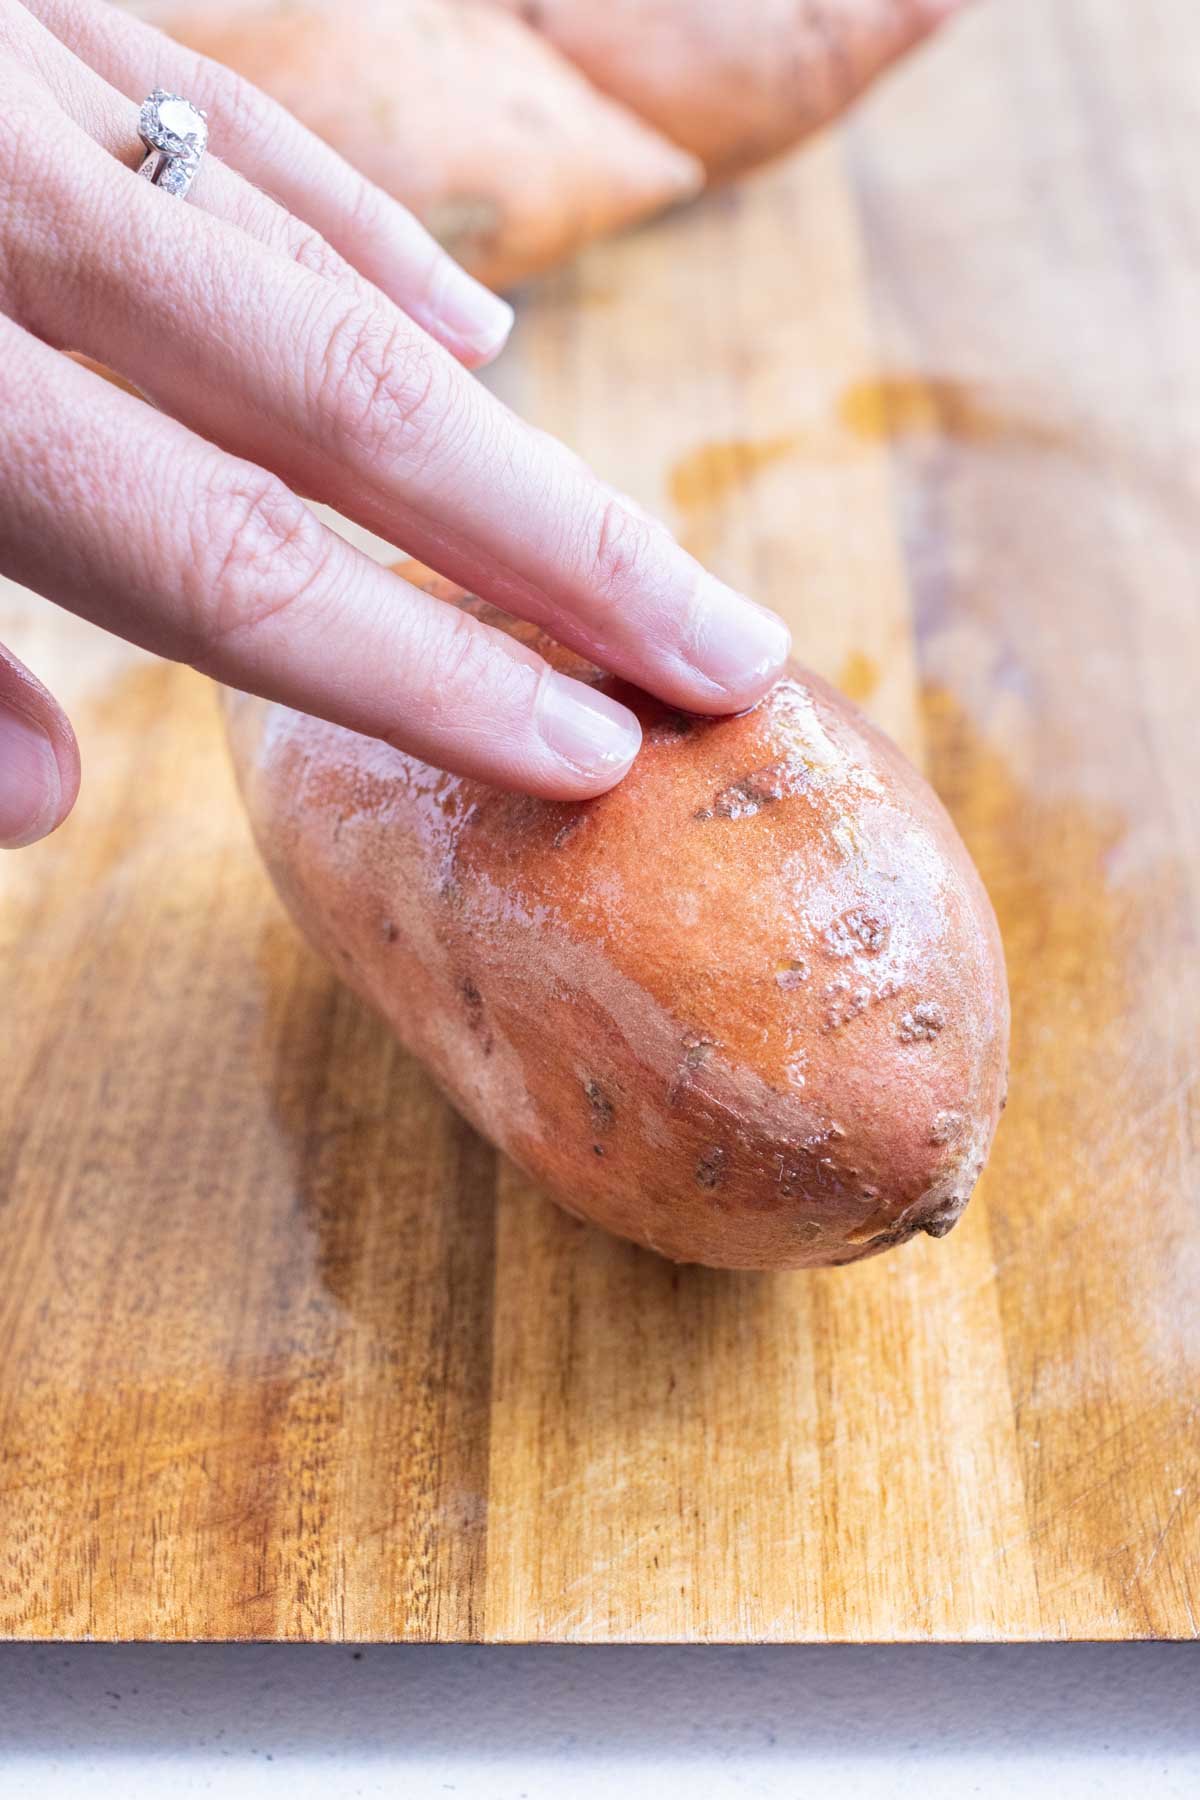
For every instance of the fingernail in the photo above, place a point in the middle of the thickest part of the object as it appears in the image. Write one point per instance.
(30, 785)
(586, 729)
(738, 644)
(479, 319)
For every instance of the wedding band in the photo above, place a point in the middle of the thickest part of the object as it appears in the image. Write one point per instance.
(175, 134)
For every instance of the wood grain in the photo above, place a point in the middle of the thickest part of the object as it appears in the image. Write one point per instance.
(285, 1353)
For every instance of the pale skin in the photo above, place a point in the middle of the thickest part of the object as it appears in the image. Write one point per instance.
(313, 342)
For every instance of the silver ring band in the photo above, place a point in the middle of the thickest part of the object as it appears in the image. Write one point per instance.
(175, 134)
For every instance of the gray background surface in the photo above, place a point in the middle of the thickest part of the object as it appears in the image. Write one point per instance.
(518, 1724)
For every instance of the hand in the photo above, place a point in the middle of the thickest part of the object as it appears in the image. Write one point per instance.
(312, 343)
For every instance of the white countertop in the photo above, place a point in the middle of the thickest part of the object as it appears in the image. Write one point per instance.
(521, 1724)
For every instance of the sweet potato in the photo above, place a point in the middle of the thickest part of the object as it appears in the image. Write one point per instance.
(748, 1009)
(479, 125)
(734, 81)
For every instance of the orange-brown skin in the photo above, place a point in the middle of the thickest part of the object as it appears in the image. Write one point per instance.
(748, 1009)
(734, 81)
(519, 130)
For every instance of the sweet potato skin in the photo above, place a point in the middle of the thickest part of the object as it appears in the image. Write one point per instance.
(735, 84)
(748, 1009)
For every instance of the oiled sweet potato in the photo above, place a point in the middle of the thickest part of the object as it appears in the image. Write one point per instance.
(734, 81)
(748, 1009)
(475, 122)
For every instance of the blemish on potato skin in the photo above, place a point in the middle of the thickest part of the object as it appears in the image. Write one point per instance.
(603, 1111)
(793, 974)
(473, 1006)
(922, 1023)
(847, 839)
(899, 1233)
(846, 1002)
(696, 1052)
(670, 729)
(944, 1220)
(710, 1170)
(945, 1128)
(856, 933)
(757, 789)
(804, 1171)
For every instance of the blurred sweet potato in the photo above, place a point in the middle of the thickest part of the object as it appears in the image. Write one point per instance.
(519, 130)
(734, 81)
(482, 127)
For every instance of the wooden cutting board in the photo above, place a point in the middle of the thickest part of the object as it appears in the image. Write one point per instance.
(285, 1351)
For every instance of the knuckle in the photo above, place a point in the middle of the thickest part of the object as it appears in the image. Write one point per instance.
(463, 665)
(363, 204)
(618, 553)
(309, 250)
(377, 383)
(457, 666)
(257, 552)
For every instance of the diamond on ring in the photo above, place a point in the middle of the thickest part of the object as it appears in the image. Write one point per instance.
(175, 134)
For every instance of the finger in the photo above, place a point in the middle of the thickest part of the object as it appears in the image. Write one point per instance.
(323, 214)
(345, 399)
(39, 758)
(127, 518)
(110, 120)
